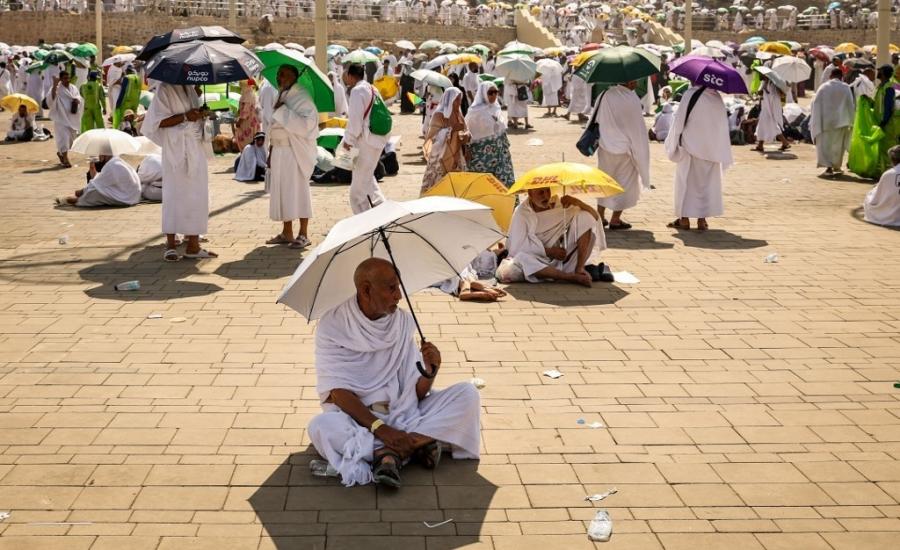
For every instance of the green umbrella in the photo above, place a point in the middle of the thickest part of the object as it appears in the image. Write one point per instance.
(55, 57)
(36, 66)
(329, 138)
(480, 49)
(430, 45)
(311, 78)
(485, 77)
(84, 50)
(360, 57)
(39, 54)
(619, 64)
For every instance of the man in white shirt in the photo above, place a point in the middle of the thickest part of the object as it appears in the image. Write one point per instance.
(470, 82)
(363, 186)
(864, 84)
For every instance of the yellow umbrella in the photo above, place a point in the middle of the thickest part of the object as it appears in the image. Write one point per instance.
(570, 178)
(335, 122)
(387, 86)
(122, 49)
(13, 101)
(775, 47)
(554, 51)
(847, 47)
(584, 56)
(464, 59)
(892, 48)
(478, 187)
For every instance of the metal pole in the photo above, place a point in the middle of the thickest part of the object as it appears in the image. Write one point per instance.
(98, 23)
(688, 25)
(884, 32)
(321, 22)
(232, 15)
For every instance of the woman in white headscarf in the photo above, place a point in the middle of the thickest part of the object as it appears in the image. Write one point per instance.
(445, 139)
(489, 146)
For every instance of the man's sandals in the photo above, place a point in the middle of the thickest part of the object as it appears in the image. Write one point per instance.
(386, 473)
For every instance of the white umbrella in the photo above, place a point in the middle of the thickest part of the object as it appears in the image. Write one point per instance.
(440, 60)
(431, 78)
(105, 141)
(295, 46)
(516, 69)
(549, 67)
(122, 57)
(405, 45)
(773, 76)
(708, 51)
(792, 69)
(428, 240)
(147, 147)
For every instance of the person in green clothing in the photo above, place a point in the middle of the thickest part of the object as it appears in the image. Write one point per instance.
(886, 115)
(129, 96)
(94, 103)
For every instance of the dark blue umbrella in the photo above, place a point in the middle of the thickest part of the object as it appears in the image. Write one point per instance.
(190, 34)
(711, 73)
(203, 62)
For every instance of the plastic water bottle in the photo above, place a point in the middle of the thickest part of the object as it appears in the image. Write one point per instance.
(129, 285)
(601, 527)
(321, 468)
(772, 258)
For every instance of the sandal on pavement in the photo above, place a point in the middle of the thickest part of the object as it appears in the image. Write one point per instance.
(300, 243)
(386, 473)
(620, 225)
(279, 239)
(171, 255)
(677, 225)
(202, 254)
(429, 456)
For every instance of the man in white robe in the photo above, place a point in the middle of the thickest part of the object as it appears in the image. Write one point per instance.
(770, 124)
(65, 111)
(551, 239)
(701, 146)
(115, 184)
(831, 121)
(579, 93)
(551, 84)
(882, 203)
(253, 161)
(835, 66)
(34, 88)
(150, 173)
(174, 121)
(292, 158)
(379, 408)
(364, 189)
(114, 75)
(267, 96)
(21, 126)
(470, 82)
(516, 108)
(6, 83)
(663, 121)
(624, 149)
(864, 85)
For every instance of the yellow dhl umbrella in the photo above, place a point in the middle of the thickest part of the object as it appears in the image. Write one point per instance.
(122, 49)
(847, 47)
(387, 86)
(584, 56)
(478, 187)
(12, 102)
(775, 47)
(465, 58)
(570, 178)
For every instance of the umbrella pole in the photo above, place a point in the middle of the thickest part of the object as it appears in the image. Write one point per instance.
(412, 311)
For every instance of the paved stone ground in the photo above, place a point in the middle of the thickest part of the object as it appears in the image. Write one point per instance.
(747, 405)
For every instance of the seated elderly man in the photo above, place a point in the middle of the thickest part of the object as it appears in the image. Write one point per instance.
(882, 203)
(553, 239)
(21, 126)
(114, 184)
(251, 164)
(379, 408)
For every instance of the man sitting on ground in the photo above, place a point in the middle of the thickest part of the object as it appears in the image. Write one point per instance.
(115, 184)
(882, 203)
(252, 162)
(150, 173)
(379, 409)
(553, 239)
(21, 127)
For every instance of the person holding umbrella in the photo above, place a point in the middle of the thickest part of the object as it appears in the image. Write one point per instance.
(292, 157)
(65, 111)
(771, 117)
(174, 121)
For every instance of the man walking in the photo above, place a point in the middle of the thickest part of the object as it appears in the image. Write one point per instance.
(363, 186)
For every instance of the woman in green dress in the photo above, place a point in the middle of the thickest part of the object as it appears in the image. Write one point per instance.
(489, 146)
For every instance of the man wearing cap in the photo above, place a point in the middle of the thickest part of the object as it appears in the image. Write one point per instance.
(251, 164)
(94, 103)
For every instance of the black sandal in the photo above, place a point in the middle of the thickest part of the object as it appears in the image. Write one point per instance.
(386, 473)
(677, 224)
(429, 456)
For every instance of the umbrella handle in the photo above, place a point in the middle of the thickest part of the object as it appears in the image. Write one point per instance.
(387, 247)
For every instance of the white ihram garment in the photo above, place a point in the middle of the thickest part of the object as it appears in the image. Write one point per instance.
(293, 137)
(267, 97)
(515, 107)
(150, 173)
(702, 149)
(185, 197)
(117, 184)
(530, 233)
(65, 123)
(376, 360)
(771, 118)
(830, 123)
(882, 203)
(252, 157)
(579, 93)
(363, 185)
(624, 151)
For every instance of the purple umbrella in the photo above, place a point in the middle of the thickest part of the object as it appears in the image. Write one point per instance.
(711, 73)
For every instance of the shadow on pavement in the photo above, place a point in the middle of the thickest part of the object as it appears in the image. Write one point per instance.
(563, 294)
(635, 239)
(717, 239)
(298, 510)
(159, 280)
(263, 262)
